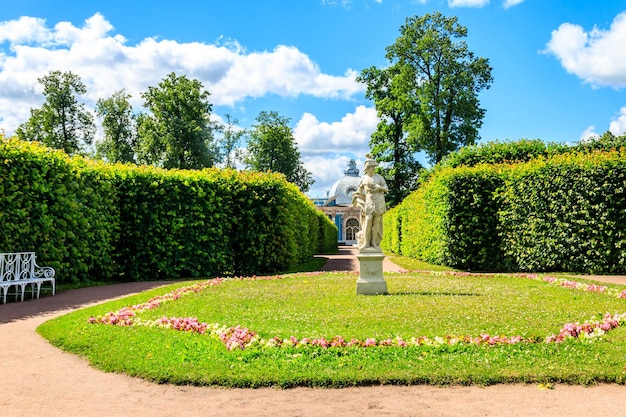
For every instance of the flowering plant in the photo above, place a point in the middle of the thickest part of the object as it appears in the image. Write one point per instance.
(242, 338)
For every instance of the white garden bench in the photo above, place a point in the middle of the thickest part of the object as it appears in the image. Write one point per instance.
(20, 270)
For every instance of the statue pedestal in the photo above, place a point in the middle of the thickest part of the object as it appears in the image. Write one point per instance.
(371, 281)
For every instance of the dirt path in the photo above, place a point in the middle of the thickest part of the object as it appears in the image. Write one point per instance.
(39, 380)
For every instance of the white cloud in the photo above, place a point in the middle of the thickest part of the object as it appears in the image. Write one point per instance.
(598, 57)
(326, 148)
(343, 3)
(511, 3)
(467, 3)
(106, 63)
(589, 134)
(351, 134)
(326, 171)
(618, 124)
(24, 29)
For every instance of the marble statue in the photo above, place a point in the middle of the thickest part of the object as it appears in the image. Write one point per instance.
(370, 198)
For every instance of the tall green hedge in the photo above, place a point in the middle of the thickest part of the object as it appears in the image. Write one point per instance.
(498, 152)
(64, 209)
(559, 213)
(567, 213)
(90, 220)
(172, 223)
(450, 220)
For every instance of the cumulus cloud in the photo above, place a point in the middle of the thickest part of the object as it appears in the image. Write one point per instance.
(106, 62)
(588, 134)
(511, 3)
(618, 124)
(467, 3)
(352, 132)
(598, 57)
(326, 171)
(326, 148)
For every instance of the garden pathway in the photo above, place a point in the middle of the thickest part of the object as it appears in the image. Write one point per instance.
(37, 379)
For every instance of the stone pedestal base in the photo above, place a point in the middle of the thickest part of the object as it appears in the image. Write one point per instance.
(371, 281)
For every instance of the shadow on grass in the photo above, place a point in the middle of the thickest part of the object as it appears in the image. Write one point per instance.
(435, 293)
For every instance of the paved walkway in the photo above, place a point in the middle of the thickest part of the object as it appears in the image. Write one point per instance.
(37, 379)
(345, 260)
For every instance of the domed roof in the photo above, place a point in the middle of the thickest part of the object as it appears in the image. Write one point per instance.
(342, 190)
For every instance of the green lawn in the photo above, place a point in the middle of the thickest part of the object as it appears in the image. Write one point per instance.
(431, 305)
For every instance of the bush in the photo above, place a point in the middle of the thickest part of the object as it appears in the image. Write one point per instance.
(172, 223)
(567, 213)
(497, 152)
(95, 221)
(451, 220)
(64, 209)
(558, 213)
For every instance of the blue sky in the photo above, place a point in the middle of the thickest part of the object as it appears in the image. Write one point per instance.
(559, 67)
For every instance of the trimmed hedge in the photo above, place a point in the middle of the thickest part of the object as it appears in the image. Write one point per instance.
(560, 213)
(450, 220)
(172, 223)
(497, 152)
(96, 221)
(59, 207)
(567, 213)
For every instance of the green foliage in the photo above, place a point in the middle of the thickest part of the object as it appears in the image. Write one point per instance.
(389, 142)
(440, 79)
(118, 125)
(177, 132)
(278, 226)
(567, 213)
(472, 224)
(305, 305)
(426, 98)
(606, 142)
(557, 213)
(522, 150)
(64, 209)
(272, 148)
(420, 223)
(96, 221)
(327, 234)
(229, 143)
(61, 122)
(172, 223)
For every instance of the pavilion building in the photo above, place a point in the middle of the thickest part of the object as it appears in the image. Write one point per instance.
(337, 205)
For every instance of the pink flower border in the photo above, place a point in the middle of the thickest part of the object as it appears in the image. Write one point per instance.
(241, 338)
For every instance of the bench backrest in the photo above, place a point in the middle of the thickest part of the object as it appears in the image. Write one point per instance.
(17, 266)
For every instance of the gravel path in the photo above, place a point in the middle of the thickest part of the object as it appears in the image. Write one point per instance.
(38, 380)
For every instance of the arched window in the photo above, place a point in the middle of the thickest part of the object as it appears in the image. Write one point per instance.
(352, 227)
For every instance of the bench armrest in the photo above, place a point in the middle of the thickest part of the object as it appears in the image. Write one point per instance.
(46, 272)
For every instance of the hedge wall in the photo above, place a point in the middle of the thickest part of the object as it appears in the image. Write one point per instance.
(90, 220)
(450, 220)
(64, 209)
(561, 213)
(567, 213)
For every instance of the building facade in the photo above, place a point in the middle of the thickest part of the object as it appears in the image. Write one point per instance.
(338, 205)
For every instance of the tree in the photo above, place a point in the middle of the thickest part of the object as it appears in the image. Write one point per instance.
(230, 141)
(272, 147)
(443, 78)
(389, 142)
(61, 122)
(118, 126)
(427, 97)
(177, 133)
